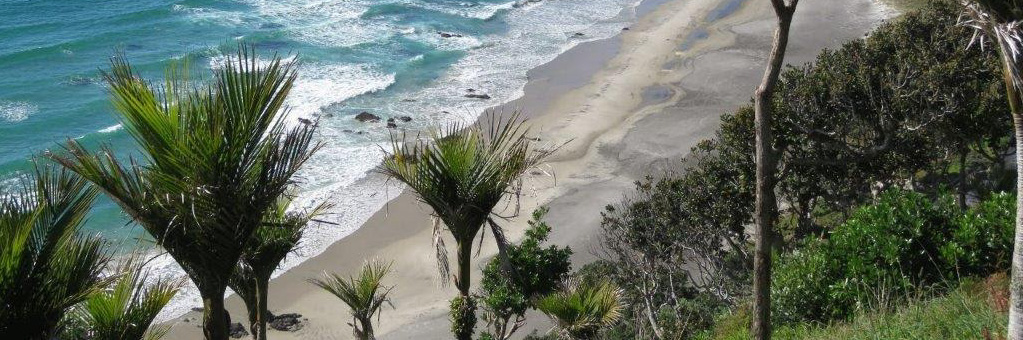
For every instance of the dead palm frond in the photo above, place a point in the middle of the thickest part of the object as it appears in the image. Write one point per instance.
(46, 264)
(364, 295)
(215, 159)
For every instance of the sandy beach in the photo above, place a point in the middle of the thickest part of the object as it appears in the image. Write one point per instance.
(624, 108)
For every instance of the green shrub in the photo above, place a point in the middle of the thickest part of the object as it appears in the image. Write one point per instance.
(506, 293)
(983, 237)
(902, 246)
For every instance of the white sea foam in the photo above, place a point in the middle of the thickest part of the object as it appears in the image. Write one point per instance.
(109, 129)
(341, 172)
(13, 112)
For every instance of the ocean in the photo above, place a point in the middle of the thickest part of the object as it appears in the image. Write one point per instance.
(392, 58)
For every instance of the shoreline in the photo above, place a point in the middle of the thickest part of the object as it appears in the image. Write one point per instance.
(627, 103)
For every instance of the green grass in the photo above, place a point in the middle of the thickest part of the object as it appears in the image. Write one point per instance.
(972, 311)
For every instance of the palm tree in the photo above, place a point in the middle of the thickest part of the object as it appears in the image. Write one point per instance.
(1002, 20)
(46, 264)
(364, 294)
(463, 172)
(582, 309)
(125, 311)
(215, 159)
(267, 247)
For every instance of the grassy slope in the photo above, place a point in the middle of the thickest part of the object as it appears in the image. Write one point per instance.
(973, 311)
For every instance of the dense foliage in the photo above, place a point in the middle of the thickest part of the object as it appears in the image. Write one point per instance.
(903, 245)
(909, 106)
(532, 272)
(47, 265)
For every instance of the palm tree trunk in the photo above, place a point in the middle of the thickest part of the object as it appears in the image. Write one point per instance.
(367, 329)
(214, 318)
(766, 159)
(466, 315)
(262, 289)
(1016, 285)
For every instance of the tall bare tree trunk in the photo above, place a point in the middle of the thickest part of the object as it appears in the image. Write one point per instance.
(1016, 284)
(767, 161)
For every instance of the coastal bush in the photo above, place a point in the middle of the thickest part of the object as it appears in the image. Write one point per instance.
(533, 271)
(977, 309)
(903, 245)
(982, 240)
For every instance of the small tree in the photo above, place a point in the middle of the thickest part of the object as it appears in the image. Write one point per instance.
(533, 272)
(463, 172)
(364, 295)
(583, 308)
(269, 245)
(46, 264)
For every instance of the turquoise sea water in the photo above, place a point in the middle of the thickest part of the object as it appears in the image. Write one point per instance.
(387, 57)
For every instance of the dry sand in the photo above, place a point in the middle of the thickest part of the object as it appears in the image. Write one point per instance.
(627, 107)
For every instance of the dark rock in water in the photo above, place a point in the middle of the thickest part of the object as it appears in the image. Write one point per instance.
(327, 115)
(305, 121)
(390, 120)
(405, 119)
(449, 35)
(470, 90)
(578, 34)
(347, 131)
(367, 117)
(289, 322)
(408, 100)
(478, 96)
(271, 25)
(392, 125)
(625, 28)
(444, 112)
(360, 132)
(237, 330)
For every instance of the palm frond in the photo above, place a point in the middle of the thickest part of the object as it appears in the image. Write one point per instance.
(582, 309)
(464, 171)
(364, 294)
(46, 264)
(216, 157)
(126, 309)
(1000, 21)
